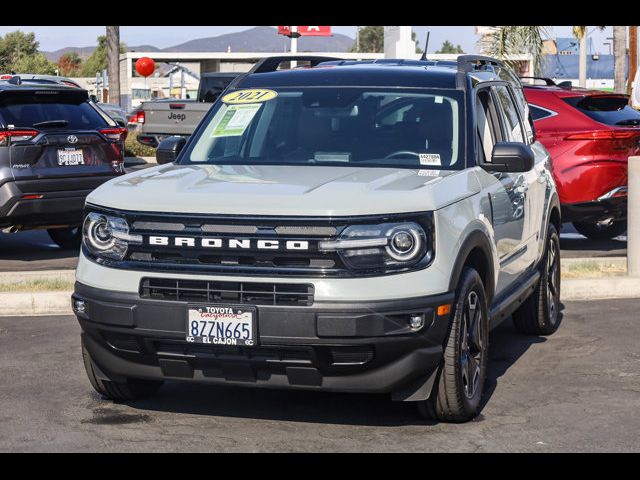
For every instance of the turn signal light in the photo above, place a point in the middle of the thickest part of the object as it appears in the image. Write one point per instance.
(444, 310)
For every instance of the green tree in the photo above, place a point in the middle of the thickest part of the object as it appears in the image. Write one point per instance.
(15, 45)
(98, 60)
(448, 47)
(505, 41)
(371, 40)
(69, 64)
(35, 63)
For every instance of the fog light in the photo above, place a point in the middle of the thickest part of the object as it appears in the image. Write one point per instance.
(79, 306)
(416, 321)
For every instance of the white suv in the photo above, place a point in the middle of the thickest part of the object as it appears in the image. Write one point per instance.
(345, 226)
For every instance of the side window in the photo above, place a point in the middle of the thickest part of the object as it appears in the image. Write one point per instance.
(538, 113)
(513, 127)
(486, 125)
(510, 77)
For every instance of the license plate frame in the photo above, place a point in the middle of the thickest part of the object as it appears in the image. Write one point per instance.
(217, 318)
(65, 157)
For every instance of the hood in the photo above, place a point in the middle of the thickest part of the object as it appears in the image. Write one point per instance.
(284, 190)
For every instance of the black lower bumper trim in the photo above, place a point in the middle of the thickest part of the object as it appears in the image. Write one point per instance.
(595, 211)
(362, 347)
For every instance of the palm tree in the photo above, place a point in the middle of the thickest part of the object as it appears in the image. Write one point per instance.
(581, 34)
(506, 41)
(113, 56)
(619, 58)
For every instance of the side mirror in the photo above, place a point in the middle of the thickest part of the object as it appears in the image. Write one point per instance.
(169, 148)
(510, 157)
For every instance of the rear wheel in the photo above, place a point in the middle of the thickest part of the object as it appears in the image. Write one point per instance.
(601, 230)
(540, 313)
(68, 238)
(131, 389)
(458, 389)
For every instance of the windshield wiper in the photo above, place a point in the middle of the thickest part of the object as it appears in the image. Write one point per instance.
(52, 123)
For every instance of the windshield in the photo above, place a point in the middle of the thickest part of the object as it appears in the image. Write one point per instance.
(411, 128)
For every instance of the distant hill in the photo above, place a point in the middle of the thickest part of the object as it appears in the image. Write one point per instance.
(263, 39)
(257, 39)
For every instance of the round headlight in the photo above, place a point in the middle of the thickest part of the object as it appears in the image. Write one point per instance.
(405, 243)
(98, 232)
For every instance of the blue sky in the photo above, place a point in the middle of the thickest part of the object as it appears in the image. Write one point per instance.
(53, 38)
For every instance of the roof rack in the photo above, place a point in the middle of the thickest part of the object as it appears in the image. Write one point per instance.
(271, 64)
(549, 82)
(469, 63)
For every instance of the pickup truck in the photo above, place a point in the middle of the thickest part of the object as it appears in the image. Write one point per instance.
(169, 116)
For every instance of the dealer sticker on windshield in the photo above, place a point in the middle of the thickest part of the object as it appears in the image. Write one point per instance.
(252, 95)
(236, 120)
(430, 159)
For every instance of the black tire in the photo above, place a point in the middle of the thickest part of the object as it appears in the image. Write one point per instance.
(540, 313)
(458, 389)
(68, 238)
(129, 390)
(595, 231)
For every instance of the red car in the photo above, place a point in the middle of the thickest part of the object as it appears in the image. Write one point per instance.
(590, 134)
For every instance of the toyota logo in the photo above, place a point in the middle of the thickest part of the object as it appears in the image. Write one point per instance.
(72, 139)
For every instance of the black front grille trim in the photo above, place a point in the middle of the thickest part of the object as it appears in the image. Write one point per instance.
(253, 293)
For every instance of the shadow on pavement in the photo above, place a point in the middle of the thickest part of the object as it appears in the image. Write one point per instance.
(506, 347)
(33, 250)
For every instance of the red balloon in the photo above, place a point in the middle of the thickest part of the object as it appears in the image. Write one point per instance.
(145, 66)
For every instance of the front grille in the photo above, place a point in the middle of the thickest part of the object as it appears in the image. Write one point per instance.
(289, 294)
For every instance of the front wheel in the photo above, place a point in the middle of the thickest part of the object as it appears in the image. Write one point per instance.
(68, 238)
(601, 230)
(458, 389)
(540, 313)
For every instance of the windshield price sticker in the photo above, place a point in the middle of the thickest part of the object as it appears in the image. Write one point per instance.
(430, 159)
(253, 95)
(236, 120)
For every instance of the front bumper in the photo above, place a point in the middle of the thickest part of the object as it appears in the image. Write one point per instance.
(348, 347)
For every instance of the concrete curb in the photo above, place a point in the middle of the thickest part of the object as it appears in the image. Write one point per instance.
(600, 288)
(36, 303)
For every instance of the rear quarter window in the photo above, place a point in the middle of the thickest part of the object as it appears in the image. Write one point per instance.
(26, 111)
(608, 109)
(539, 113)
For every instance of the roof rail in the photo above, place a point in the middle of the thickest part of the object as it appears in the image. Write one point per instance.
(469, 63)
(549, 82)
(271, 64)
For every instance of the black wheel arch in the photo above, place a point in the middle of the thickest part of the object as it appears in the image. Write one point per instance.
(475, 252)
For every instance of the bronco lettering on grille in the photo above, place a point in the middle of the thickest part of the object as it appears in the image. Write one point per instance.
(224, 243)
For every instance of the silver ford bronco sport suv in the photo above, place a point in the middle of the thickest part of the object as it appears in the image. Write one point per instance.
(343, 226)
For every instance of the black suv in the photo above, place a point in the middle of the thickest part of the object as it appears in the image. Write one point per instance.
(55, 148)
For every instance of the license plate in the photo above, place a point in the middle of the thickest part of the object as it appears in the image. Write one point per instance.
(221, 325)
(70, 157)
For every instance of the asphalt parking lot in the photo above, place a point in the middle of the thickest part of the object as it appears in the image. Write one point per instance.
(578, 390)
(34, 250)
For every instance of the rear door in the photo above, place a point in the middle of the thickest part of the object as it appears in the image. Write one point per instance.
(63, 135)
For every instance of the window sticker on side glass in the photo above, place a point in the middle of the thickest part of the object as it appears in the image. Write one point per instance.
(430, 159)
(236, 120)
